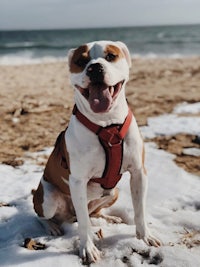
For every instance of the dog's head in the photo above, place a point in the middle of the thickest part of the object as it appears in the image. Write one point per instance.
(98, 72)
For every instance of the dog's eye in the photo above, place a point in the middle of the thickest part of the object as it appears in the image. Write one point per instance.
(110, 57)
(82, 62)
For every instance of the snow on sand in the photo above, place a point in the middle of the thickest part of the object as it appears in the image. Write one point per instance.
(173, 209)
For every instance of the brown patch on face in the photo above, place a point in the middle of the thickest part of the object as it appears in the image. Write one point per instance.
(113, 53)
(79, 59)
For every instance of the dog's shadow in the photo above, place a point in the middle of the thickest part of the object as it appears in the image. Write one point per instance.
(17, 228)
(19, 223)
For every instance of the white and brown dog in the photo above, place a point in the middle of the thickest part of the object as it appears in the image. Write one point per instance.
(101, 142)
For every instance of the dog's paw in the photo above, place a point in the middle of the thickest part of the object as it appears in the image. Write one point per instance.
(89, 253)
(152, 241)
(113, 219)
(52, 228)
(149, 239)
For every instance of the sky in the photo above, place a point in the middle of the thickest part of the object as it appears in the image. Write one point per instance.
(53, 14)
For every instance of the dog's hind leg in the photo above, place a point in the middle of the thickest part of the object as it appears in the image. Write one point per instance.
(47, 200)
(108, 199)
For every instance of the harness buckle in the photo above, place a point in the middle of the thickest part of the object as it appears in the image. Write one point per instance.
(114, 140)
(116, 144)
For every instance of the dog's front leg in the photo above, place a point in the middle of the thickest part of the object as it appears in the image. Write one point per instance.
(138, 184)
(88, 251)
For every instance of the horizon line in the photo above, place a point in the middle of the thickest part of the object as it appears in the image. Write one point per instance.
(103, 27)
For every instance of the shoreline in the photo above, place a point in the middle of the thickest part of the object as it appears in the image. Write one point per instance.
(15, 60)
(36, 99)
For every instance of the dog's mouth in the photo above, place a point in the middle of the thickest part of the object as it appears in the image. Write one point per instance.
(100, 95)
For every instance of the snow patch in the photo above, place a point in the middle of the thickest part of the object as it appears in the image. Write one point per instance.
(172, 124)
(186, 108)
(173, 212)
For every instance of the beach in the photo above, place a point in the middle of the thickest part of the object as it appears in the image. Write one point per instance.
(36, 101)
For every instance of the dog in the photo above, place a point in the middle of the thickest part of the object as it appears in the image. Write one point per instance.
(101, 142)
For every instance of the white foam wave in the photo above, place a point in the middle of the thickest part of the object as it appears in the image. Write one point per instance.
(19, 45)
(155, 56)
(27, 57)
(24, 60)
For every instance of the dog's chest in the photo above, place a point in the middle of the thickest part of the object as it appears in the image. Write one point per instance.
(87, 157)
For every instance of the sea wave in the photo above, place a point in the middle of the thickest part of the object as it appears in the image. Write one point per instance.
(29, 45)
(16, 60)
(155, 56)
(54, 46)
(149, 42)
(28, 58)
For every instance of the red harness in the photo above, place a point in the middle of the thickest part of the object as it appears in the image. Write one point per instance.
(111, 139)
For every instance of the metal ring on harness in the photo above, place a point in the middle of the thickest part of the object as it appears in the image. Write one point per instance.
(111, 145)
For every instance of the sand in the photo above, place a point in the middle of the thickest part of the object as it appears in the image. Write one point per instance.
(36, 102)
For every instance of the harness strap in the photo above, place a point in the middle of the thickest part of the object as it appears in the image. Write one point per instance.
(84, 120)
(111, 139)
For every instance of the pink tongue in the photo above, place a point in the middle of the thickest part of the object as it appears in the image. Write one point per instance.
(99, 98)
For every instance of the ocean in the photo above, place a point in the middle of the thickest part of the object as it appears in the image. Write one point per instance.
(151, 41)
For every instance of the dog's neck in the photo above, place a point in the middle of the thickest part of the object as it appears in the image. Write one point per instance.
(116, 115)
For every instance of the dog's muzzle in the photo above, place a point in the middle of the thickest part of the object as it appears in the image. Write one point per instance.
(95, 72)
(99, 94)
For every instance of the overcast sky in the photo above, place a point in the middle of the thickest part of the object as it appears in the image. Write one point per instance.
(48, 14)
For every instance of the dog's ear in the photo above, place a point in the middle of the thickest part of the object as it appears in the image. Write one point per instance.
(69, 55)
(126, 53)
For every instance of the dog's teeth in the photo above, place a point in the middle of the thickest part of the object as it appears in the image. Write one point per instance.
(112, 90)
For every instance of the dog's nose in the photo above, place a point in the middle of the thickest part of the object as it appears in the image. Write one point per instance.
(95, 72)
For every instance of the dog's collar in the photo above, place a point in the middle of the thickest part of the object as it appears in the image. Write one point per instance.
(103, 132)
(111, 138)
